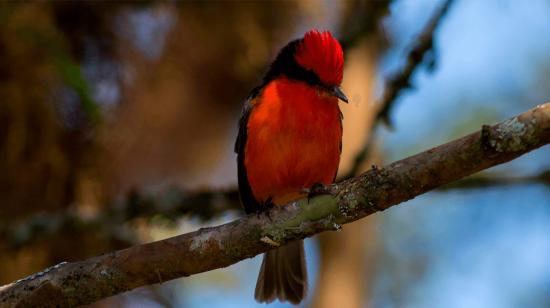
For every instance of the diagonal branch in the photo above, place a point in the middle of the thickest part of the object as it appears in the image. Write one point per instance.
(401, 81)
(422, 48)
(483, 181)
(87, 281)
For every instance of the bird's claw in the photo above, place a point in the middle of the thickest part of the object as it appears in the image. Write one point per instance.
(266, 207)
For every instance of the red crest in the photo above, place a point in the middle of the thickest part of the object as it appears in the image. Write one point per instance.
(322, 53)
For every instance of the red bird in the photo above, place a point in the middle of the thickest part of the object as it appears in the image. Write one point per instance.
(290, 140)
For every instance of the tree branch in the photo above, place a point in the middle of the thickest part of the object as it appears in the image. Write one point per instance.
(423, 47)
(401, 81)
(87, 281)
(170, 206)
(483, 181)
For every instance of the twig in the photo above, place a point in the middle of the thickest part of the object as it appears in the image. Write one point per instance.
(169, 205)
(400, 82)
(361, 19)
(484, 181)
(87, 281)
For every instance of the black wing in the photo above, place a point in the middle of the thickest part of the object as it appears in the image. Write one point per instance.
(341, 132)
(250, 204)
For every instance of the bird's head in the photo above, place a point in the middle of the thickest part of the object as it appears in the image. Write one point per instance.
(316, 59)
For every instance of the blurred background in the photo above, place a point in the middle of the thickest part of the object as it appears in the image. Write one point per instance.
(117, 124)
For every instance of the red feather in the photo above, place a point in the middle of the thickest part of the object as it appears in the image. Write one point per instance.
(294, 139)
(322, 53)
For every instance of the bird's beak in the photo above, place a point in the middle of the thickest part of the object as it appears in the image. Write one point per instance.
(336, 91)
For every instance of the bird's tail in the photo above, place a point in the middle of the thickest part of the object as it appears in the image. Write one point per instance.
(283, 275)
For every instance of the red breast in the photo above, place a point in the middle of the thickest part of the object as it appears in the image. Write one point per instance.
(294, 140)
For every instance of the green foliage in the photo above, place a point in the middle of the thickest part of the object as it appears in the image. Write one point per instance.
(69, 70)
(72, 75)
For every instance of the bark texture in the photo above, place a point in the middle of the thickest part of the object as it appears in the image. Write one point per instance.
(84, 282)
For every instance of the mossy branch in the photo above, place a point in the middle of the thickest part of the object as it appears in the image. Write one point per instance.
(84, 282)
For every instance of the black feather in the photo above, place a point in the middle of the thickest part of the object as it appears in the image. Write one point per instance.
(250, 203)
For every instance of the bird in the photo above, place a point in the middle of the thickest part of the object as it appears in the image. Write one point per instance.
(289, 145)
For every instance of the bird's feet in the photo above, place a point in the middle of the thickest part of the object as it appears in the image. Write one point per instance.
(266, 207)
